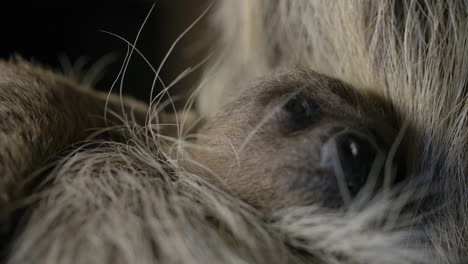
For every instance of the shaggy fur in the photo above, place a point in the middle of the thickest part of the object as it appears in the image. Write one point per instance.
(129, 201)
(414, 53)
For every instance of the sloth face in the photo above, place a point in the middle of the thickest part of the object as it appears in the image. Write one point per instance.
(297, 139)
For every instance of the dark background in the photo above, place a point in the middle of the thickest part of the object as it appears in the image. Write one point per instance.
(45, 31)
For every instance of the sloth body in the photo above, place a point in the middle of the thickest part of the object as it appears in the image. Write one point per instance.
(313, 130)
(298, 167)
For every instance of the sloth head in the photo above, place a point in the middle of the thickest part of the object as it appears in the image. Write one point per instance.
(297, 139)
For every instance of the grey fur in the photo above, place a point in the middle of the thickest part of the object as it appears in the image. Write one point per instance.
(414, 53)
(131, 201)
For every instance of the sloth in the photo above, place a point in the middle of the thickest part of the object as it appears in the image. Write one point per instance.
(410, 53)
(296, 139)
(361, 157)
(300, 138)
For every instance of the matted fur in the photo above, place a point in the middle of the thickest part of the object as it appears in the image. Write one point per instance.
(414, 53)
(132, 202)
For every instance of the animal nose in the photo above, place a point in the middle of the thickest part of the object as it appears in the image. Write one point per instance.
(350, 155)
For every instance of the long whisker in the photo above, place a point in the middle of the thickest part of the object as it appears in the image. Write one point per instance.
(157, 74)
(131, 54)
(106, 105)
(388, 176)
(174, 44)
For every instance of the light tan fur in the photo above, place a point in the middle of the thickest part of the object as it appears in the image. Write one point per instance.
(413, 53)
(259, 152)
(142, 194)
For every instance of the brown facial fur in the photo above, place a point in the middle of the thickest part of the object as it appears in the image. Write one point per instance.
(43, 113)
(255, 149)
(261, 147)
(271, 159)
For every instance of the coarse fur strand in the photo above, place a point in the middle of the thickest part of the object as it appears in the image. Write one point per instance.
(414, 53)
(132, 202)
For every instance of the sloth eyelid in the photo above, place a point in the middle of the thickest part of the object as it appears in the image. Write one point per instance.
(296, 105)
(300, 112)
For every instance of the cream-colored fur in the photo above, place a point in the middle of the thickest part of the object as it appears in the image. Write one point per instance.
(414, 53)
(129, 200)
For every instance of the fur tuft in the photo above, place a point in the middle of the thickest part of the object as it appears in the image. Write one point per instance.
(129, 203)
(414, 53)
(132, 202)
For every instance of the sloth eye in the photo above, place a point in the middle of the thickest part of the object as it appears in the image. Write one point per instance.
(296, 107)
(300, 112)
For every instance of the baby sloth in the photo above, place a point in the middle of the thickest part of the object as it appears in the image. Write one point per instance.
(295, 139)
(299, 138)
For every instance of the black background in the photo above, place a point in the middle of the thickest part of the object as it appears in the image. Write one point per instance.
(45, 31)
